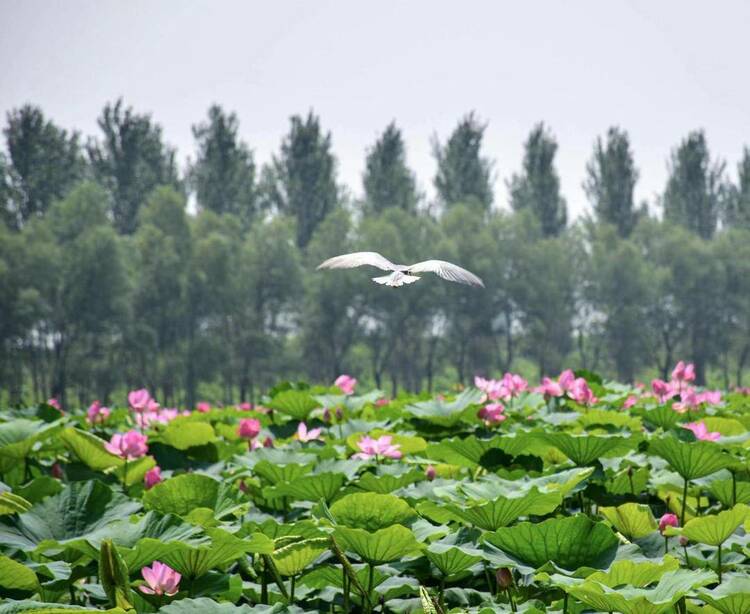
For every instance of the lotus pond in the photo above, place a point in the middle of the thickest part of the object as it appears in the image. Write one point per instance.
(574, 496)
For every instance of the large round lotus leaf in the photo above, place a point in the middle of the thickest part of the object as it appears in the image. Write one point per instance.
(452, 560)
(295, 403)
(670, 589)
(38, 607)
(371, 511)
(204, 605)
(292, 559)
(19, 436)
(313, 487)
(638, 574)
(732, 596)
(184, 493)
(714, 529)
(470, 452)
(445, 413)
(383, 546)
(633, 520)
(691, 460)
(90, 449)
(729, 494)
(585, 449)
(183, 434)
(569, 543)
(504, 510)
(15, 576)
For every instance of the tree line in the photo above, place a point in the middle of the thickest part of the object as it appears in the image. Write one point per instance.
(108, 280)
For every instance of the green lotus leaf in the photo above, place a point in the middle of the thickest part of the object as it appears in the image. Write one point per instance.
(569, 543)
(135, 470)
(79, 510)
(292, 559)
(452, 560)
(470, 452)
(633, 520)
(630, 480)
(18, 437)
(275, 473)
(13, 504)
(90, 449)
(385, 484)
(114, 577)
(662, 416)
(204, 605)
(184, 434)
(39, 488)
(729, 494)
(185, 493)
(383, 546)
(672, 586)
(503, 511)
(38, 607)
(313, 487)
(638, 574)
(732, 596)
(603, 417)
(371, 511)
(714, 529)
(445, 413)
(728, 427)
(585, 449)
(16, 576)
(491, 486)
(295, 403)
(691, 460)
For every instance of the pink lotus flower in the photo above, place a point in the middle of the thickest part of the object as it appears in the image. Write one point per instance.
(152, 405)
(96, 414)
(630, 401)
(161, 579)
(581, 393)
(701, 431)
(203, 407)
(245, 406)
(249, 428)
(683, 372)
(710, 397)
(152, 477)
(668, 520)
(346, 383)
(304, 435)
(549, 388)
(130, 446)
(160, 416)
(430, 472)
(375, 448)
(567, 379)
(139, 399)
(514, 384)
(53, 402)
(662, 390)
(268, 442)
(492, 412)
(493, 389)
(382, 402)
(57, 471)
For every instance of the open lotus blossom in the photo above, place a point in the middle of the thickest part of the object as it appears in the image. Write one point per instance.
(581, 393)
(53, 402)
(549, 388)
(376, 448)
(683, 372)
(139, 399)
(701, 431)
(96, 413)
(514, 384)
(382, 402)
(566, 379)
(307, 435)
(346, 383)
(152, 477)
(249, 428)
(692, 399)
(662, 390)
(130, 445)
(203, 407)
(668, 520)
(245, 406)
(161, 416)
(630, 401)
(161, 579)
(492, 412)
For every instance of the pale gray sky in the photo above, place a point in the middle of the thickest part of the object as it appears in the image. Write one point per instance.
(658, 69)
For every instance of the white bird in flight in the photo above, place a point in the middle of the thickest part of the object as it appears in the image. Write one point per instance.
(402, 273)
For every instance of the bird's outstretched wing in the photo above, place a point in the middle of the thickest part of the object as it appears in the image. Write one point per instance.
(349, 261)
(448, 271)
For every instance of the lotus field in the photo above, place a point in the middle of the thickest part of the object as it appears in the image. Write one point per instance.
(575, 495)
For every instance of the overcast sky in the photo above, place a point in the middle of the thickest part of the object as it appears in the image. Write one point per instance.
(658, 69)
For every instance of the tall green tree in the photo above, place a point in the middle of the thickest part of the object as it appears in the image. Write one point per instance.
(130, 160)
(388, 181)
(223, 175)
(737, 210)
(463, 174)
(301, 181)
(44, 162)
(611, 176)
(696, 188)
(537, 187)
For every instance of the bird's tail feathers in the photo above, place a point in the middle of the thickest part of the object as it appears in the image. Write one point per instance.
(395, 279)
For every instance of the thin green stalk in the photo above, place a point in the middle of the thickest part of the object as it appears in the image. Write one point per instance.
(370, 578)
(565, 604)
(346, 585)
(291, 591)
(275, 575)
(350, 572)
(687, 560)
(734, 489)
(684, 503)
(511, 601)
(666, 544)
(718, 565)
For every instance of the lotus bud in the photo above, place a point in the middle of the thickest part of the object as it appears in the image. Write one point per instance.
(57, 471)
(684, 541)
(504, 578)
(339, 413)
(326, 415)
(430, 472)
(668, 520)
